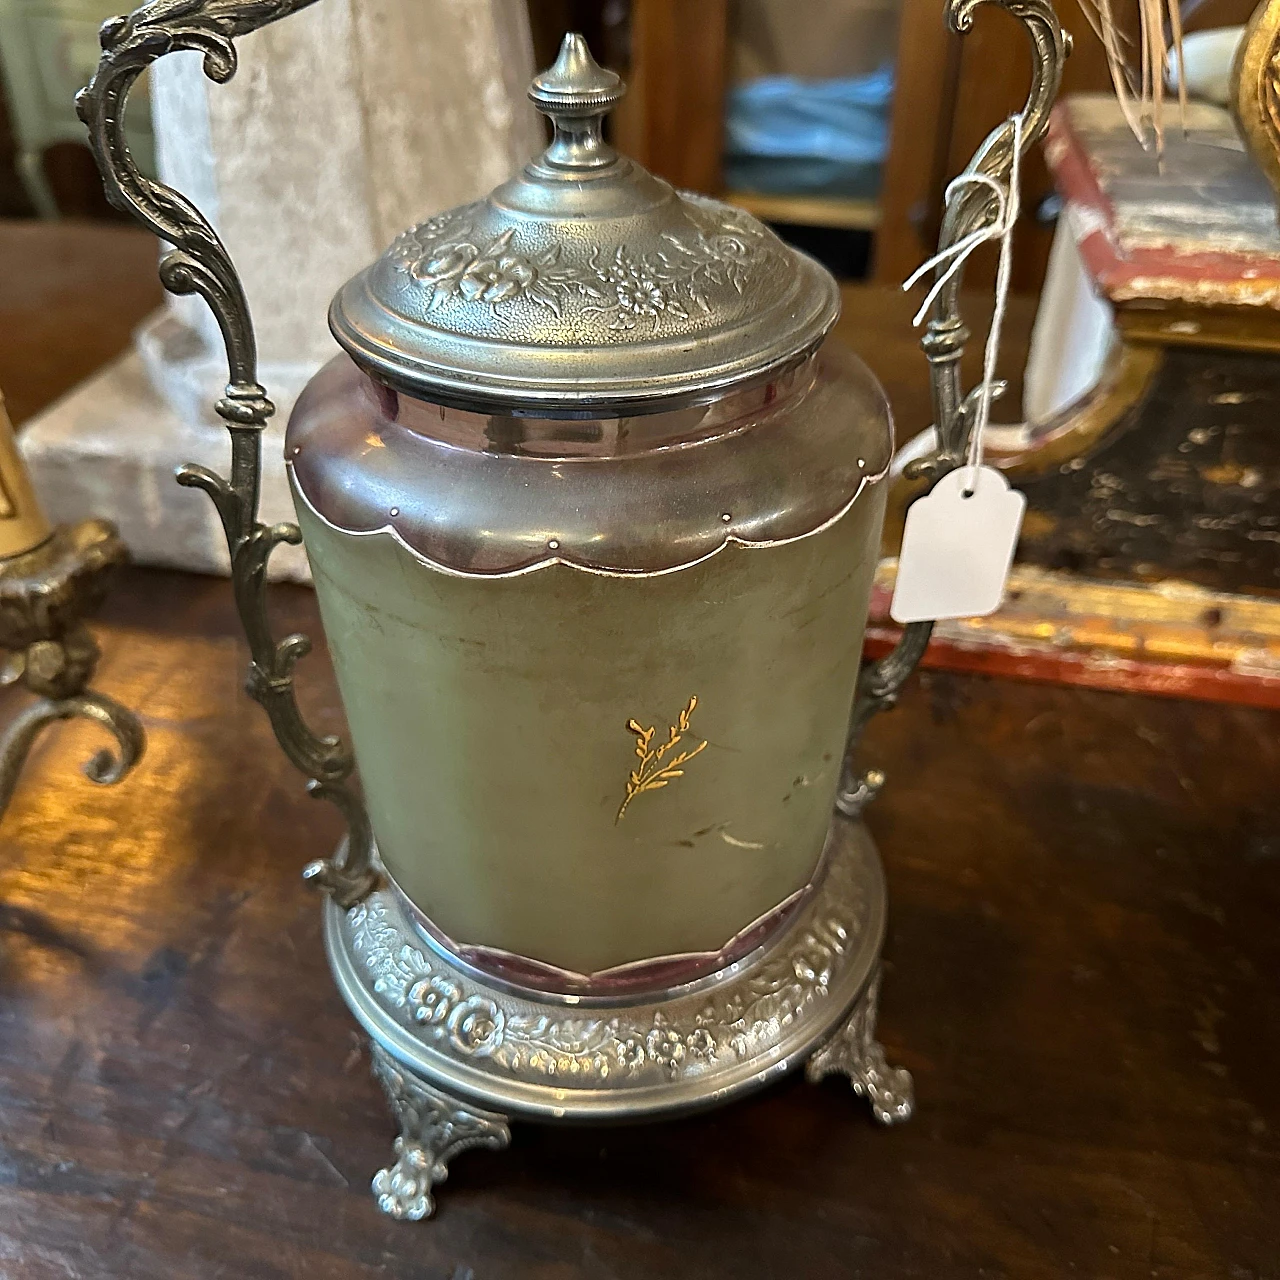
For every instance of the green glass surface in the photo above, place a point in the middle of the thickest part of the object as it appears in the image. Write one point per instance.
(490, 719)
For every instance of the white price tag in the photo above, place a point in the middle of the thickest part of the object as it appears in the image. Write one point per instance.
(957, 549)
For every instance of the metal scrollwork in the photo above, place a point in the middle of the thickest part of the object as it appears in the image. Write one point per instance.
(974, 206)
(199, 263)
(855, 1052)
(516, 1036)
(105, 767)
(45, 595)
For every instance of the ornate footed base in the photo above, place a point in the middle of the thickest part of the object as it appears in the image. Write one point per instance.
(433, 1129)
(461, 1052)
(855, 1052)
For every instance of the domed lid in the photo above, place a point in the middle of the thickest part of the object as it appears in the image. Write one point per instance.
(583, 284)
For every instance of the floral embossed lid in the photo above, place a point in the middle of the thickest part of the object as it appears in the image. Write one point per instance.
(584, 283)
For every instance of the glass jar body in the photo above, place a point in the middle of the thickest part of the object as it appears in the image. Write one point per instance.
(595, 764)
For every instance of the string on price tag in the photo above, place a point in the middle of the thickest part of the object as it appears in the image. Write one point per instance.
(959, 539)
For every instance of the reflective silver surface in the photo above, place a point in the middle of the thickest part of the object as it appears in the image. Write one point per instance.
(435, 1126)
(855, 1052)
(585, 288)
(433, 1129)
(494, 495)
(583, 283)
(521, 1053)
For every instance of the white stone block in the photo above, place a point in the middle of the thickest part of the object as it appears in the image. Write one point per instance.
(111, 447)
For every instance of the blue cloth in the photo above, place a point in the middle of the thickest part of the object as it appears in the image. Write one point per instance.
(787, 134)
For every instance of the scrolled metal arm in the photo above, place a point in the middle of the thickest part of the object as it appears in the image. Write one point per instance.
(46, 593)
(974, 206)
(104, 767)
(199, 263)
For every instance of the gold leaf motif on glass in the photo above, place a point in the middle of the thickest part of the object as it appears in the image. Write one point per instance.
(657, 765)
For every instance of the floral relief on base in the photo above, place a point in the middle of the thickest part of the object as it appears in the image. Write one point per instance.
(732, 1021)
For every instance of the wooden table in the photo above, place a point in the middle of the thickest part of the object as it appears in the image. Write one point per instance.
(1084, 975)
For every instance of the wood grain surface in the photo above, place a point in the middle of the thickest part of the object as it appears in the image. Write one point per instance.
(71, 294)
(1084, 975)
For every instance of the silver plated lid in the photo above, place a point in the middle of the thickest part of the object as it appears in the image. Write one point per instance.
(583, 284)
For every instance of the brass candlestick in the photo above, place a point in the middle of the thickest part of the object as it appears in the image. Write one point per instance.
(51, 579)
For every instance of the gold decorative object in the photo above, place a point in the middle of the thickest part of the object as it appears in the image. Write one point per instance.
(45, 594)
(22, 523)
(655, 769)
(1255, 89)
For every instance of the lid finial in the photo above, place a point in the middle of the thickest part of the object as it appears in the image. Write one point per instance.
(576, 94)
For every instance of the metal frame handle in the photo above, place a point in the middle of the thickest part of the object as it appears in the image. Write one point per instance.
(199, 263)
(974, 206)
(46, 593)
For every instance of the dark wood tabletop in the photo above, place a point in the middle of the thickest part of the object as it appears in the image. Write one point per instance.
(1083, 974)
